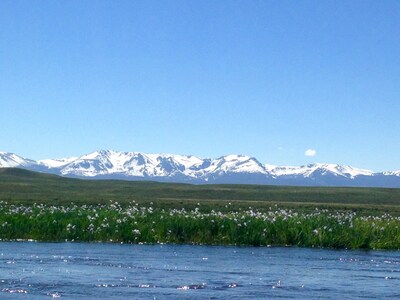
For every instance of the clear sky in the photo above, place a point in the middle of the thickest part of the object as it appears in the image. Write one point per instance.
(288, 82)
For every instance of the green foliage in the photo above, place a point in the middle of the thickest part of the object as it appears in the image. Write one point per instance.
(139, 224)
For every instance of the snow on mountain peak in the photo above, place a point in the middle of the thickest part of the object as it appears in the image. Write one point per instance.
(392, 173)
(56, 163)
(11, 160)
(323, 169)
(343, 170)
(187, 168)
(236, 164)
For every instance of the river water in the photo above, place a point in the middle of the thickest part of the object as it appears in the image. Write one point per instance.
(111, 271)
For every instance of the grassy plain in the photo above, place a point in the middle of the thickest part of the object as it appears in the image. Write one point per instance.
(51, 208)
(25, 187)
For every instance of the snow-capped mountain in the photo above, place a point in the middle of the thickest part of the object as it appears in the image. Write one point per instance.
(392, 173)
(320, 169)
(163, 167)
(107, 164)
(11, 160)
(323, 175)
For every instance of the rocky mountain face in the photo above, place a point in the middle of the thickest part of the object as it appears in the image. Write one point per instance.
(106, 164)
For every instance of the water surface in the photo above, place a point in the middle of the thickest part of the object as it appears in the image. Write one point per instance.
(113, 271)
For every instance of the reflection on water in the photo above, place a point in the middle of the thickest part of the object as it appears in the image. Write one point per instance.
(112, 271)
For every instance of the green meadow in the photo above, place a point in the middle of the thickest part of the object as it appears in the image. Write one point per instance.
(46, 207)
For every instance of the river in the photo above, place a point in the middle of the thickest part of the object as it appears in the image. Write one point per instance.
(30, 270)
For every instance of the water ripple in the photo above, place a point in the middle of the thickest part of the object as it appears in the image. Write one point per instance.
(103, 271)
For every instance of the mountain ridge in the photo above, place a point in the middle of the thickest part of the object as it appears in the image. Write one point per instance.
(233, 168)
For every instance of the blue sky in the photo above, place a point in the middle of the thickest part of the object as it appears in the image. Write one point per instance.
(269, 79)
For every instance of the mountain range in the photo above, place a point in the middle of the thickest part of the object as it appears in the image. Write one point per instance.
(237, 169)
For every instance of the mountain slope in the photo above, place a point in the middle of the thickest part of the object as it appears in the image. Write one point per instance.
(11, 160)
(107, 164)
(321, 169)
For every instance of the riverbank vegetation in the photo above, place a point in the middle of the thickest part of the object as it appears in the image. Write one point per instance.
(50, 208)
(140, 224)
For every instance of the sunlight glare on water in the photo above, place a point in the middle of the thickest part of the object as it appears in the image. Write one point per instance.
(113, 271)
